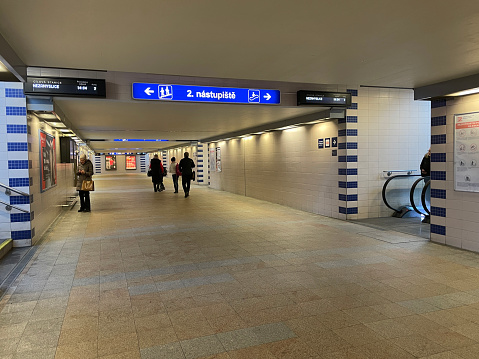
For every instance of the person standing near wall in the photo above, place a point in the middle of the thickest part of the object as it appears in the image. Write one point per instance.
(85, 171)
(186, 168)
(426, 173)
(156, 168)
(174, 173)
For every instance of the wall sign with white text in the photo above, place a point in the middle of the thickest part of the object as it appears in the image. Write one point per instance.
(466, 152)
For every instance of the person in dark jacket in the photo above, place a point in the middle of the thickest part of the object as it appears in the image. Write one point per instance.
(156, 168)
(84, 173)
(425, 167)
(186, 166)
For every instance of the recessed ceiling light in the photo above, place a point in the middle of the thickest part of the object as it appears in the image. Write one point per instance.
(56, 124)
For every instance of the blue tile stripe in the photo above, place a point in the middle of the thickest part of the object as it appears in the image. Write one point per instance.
(16, 111)
(438, 193)
(438, 121)
(19, 182)
(16, 128)
(19, 217)
(352, 119)
(437, 229)
(347, 158)
(352, 145)
(438, 103)
(438, 139)
(341, 133)
(17, 146)
(18, 164)
(438, 157)
(17, 93)
(19, 200)
(354, 106)
(351, 132)
(344, 184)
(438, 211)
(352, 92)
(352, 210)
(341, 121)
(21, 234)
(348, 198)
(438, 175)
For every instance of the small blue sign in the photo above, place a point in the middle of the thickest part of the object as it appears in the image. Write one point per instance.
(334, 142)
(166, 92)
(320, 143)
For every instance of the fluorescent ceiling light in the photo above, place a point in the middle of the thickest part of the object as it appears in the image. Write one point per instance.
(65, 130)
(465, 92)
(56, 124)
(287, 127)
(3, 68)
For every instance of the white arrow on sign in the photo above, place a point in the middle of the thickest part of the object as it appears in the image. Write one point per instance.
(148, 91)
(267, 96)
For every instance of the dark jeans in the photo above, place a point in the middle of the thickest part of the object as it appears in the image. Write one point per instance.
(175, 182)
(84, 200)
(185, 181)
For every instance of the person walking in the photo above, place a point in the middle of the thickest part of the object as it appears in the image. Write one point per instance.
(174, 173)
(156, 168)
(84, 173)
(186, 166)
(425, 167)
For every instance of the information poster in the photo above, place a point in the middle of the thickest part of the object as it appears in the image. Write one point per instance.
(466, 155)
(212, 159)
(48, 163)
(110, 162)
(218, 159)
(130, 162)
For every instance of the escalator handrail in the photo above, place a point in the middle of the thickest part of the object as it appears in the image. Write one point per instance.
(386, 184)
(423, 197)
(411, 195)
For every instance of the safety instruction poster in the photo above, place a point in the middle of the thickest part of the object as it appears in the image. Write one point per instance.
(466, 155)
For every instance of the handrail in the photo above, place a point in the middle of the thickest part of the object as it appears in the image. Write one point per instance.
(411, 195)
(9, 190)
(386, 184)
(390, 172)
(9, 207)
(423, 196)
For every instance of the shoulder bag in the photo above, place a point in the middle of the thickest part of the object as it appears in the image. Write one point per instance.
(88, 185)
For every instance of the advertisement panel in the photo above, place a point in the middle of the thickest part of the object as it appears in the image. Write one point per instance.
(130, 162)
(48, 161)
(110, 162)
(466, 154)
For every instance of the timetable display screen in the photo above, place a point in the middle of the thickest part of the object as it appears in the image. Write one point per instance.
(328, 99)
(65, 87)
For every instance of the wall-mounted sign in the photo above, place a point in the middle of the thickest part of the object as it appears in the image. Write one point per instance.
(334, 142)
(167, 92)
(218, 159)
(62, 86)
(326, 99)
(320, 143)
(110, 162)
(48, 161)
(466, 152)
(334, 153)
(327, 142)
(130, 162)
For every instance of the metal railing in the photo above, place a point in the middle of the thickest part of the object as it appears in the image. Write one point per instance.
(8, 192)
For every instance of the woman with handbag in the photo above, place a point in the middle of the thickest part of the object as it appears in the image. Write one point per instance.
(84, 183)
(156, 168)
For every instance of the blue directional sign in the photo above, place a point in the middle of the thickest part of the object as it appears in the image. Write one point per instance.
(320, 143)
(165, 92)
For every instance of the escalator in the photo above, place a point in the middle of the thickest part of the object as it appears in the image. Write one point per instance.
(407, 195)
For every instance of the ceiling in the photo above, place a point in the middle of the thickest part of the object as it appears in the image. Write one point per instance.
(373, 42)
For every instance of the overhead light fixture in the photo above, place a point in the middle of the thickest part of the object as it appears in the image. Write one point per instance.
(286, 127)
(65, 130)
(464, 92)
(55, 124)
(3, 68)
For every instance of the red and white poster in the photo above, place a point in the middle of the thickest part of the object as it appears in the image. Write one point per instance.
(48, 161)
(466, 152)
(110, 162)
(130, 162)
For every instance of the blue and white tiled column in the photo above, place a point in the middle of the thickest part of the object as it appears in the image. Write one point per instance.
(348, 161)
(201, 170)
(438, 171)
(164, 159)
(15, 164)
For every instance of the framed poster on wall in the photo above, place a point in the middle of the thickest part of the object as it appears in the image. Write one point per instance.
(110, 162)
(466, 153)
(48, 161)
(218, 159)
(130, 162)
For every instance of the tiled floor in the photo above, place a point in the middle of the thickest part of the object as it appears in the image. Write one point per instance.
(155, 275)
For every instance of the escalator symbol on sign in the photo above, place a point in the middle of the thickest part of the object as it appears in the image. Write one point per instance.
(253, 96)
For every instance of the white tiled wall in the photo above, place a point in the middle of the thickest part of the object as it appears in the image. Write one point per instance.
(393, 134)
(460, 227)
(284, 167)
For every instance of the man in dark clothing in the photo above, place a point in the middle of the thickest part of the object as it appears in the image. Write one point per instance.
(426, 172)
(186, 166)
(156, 168)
